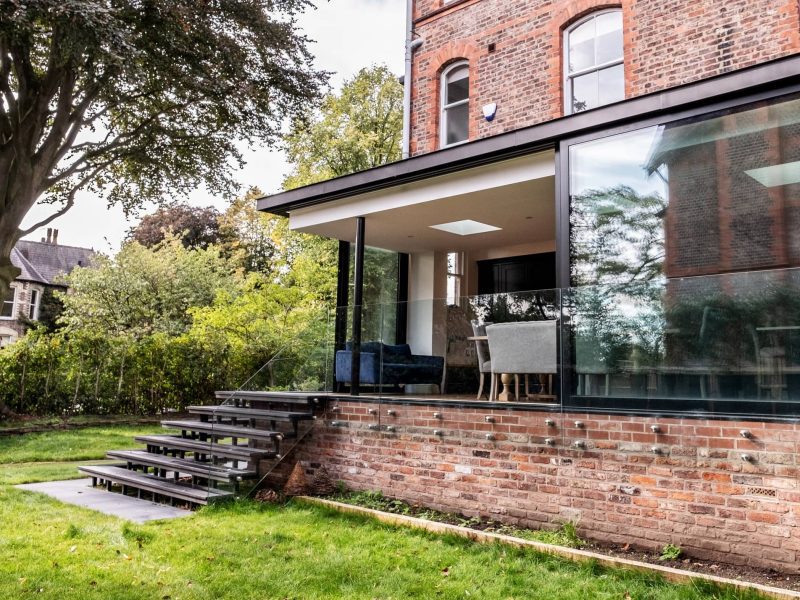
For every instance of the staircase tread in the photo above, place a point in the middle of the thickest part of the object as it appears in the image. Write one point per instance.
(250, 412)
(179, 443)
(304, 398)
(178, 463)
(151, 483)
(227, 430)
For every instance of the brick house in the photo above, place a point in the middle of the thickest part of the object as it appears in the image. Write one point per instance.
(41, 265)
(629, 171)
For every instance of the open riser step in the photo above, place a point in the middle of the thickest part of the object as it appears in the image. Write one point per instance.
(211, 456)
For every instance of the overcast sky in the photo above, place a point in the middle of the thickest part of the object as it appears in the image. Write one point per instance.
(348, 34)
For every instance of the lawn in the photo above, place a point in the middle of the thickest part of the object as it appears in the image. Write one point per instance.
(249, 550)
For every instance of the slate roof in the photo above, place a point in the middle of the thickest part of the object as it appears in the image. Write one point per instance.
(45, 263)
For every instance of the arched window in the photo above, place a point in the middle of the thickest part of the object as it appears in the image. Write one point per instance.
(593, 54)
(455, 105)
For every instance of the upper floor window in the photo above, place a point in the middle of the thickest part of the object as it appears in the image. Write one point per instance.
(7, 309)
(455, 105)
(593, 66)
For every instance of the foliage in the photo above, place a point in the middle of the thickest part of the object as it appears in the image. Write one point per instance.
(196, 227)
(670, 552)
(357, 129)
(142, 291)
(158, 328)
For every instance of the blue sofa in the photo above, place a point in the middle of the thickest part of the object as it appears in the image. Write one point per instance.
(389, 365)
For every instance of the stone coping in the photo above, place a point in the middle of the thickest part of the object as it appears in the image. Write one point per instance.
(668, 573)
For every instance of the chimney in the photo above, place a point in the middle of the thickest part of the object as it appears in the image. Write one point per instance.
(55, 237)
(49, 234)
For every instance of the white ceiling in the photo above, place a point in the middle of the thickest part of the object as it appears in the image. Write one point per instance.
(524, 210)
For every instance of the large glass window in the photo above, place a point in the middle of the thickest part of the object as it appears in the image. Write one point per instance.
(685, 257)
(593, 62)
(379, 312)
(7, 309)
(455, 105)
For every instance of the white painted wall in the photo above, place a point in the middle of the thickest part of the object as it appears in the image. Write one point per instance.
(420, 305)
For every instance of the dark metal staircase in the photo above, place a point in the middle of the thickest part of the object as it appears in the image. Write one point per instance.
(210, 457)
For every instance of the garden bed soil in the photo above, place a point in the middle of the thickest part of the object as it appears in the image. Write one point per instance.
(696, 564)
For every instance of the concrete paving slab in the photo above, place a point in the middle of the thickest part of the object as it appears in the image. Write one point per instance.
(80, 493)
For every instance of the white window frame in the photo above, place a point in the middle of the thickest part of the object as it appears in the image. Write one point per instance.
(13, 306)
(457, 276)
(445, 107)
(568, 76)
(33, 306)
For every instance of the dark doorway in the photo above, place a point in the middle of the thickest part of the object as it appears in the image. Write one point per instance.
(517, 273)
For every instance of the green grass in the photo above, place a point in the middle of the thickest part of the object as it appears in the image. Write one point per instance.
(246, 550)
(71, 444)
(74, 421)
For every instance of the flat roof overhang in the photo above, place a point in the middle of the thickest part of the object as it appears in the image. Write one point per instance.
(764, 78)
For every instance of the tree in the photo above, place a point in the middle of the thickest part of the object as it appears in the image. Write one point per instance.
(143, 291)
(135, 99)
(196, 227)
(357, 129)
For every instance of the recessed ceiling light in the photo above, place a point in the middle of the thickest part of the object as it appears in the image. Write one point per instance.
(465, 227)
(776, 175)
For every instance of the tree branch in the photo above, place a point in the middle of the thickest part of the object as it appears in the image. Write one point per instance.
(70, 199)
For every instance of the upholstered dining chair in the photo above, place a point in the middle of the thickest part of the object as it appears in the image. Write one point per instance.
(484, 362)
(522, 348)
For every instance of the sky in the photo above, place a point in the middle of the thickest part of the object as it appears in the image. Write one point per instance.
(348, 34)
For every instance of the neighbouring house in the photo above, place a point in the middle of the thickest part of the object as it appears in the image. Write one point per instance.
(42, 266)
(630, 172)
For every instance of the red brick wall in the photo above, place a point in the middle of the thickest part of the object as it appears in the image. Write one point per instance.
(697, 493)
(667, 43)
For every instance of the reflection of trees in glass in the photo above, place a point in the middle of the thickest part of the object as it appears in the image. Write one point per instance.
(517, 306)
(379, 313)
(617, 247)
(617, 236)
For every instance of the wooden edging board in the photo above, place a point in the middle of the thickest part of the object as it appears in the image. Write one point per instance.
(668, 573)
